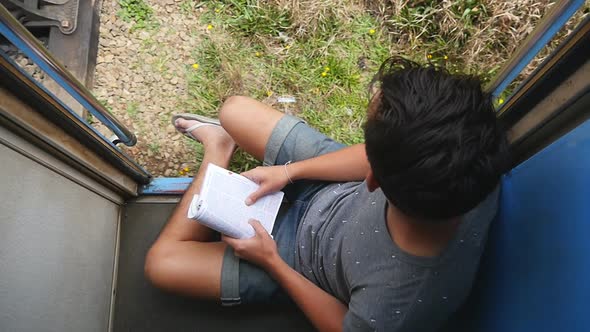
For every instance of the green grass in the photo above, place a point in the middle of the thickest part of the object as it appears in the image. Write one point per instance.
(132, 110)
(154, 147)
(187, 7)
(251, 18)
(325, 53)
(252, 51)
(138, 12)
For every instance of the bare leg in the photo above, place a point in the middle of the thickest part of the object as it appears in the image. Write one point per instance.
(249, 122)
(182, 260)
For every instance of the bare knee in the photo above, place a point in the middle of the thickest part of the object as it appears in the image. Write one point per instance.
(155, 266)
(230, 110)
(186, 267)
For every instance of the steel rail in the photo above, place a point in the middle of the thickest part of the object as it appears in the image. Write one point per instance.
(551, 23)
(16, 81)
(19, 36)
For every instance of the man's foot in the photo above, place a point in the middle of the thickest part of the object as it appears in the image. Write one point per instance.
(211, 136)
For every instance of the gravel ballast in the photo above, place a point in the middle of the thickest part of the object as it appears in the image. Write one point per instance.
(140, 77)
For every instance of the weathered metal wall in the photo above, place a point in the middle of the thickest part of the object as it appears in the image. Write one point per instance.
(57, 243)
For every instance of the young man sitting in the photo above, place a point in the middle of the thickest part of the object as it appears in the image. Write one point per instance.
(384, 236)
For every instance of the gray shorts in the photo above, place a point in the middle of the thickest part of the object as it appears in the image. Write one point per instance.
(291, 140)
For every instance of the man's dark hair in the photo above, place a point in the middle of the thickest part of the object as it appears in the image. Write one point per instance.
(432, 139)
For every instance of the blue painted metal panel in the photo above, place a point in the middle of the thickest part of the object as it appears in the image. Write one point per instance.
(166, 186)
(536, 275)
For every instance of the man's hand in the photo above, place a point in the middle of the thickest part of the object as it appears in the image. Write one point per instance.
(260, 249)
(324, 310)
(270, 178)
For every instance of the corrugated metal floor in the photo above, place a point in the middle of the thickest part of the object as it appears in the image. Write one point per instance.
(141, 307)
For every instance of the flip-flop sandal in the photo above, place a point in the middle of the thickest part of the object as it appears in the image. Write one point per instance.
(205, 121)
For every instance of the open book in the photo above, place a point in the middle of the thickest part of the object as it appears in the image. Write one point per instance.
(220, 204)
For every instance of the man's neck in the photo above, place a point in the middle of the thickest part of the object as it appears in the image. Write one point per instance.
(420, 238)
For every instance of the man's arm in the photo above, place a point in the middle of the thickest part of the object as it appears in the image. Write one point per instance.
(347, 164)
(324, 311)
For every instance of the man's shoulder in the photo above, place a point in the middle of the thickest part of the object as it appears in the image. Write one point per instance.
(486, 210)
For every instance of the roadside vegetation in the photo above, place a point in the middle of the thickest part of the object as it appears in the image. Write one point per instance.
(316, 58)
(137, 11)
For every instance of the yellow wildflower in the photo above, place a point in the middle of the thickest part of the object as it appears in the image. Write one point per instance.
(209, 27)
(258, 54)
(181, 172)
(429, 56)
(287, 47)
(327, 69)
(195, 66)
(269, 93)
(500, 101)
(186, 169)
(445, 57)
(324, 74)
(372, 32)
(217, 10)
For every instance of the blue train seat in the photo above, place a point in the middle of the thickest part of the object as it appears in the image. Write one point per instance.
(535, 274)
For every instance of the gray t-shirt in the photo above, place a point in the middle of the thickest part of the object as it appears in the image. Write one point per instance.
(343, 246)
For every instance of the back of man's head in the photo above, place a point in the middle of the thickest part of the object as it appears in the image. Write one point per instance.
(433, 141)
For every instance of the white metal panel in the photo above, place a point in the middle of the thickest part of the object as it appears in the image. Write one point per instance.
(57, 249)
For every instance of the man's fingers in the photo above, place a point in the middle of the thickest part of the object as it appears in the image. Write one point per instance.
(229, 240)
(261, 191)
(250, 175)
(258, 228)
(255, 174)
(251, 199)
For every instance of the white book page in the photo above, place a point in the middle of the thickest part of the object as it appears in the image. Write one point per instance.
(223, 197)
(198, 211)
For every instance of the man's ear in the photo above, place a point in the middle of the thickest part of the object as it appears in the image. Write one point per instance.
(372, 183)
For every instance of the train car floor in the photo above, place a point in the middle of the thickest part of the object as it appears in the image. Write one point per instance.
(141, 307)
